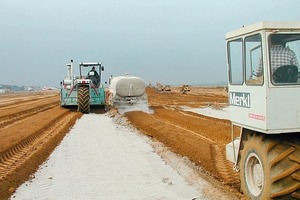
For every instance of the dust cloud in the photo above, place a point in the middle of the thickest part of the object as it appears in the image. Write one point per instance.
(135, 107)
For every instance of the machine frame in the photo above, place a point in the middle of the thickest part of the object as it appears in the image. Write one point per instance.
(266, 110)
(79, 90)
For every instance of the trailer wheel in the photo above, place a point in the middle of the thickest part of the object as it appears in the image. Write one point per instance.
(83, 99)
(270, 167)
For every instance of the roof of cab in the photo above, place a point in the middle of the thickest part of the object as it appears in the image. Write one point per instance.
(264, 25)
(90, 64)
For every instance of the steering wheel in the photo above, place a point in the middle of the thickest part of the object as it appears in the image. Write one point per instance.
(286, 74)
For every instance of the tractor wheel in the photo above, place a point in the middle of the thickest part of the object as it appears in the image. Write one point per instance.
(83, 99)
(270, 167)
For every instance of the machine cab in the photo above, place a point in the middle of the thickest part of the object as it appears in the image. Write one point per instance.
(264, 85)
(91, 71)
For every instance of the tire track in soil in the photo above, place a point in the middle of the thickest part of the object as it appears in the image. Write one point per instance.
(223, 168)
(216, 131)
(14, 101)
(22, 103)
(178, 130)
(19, 152)
(21, 160)
(29, 132)
(11, 119)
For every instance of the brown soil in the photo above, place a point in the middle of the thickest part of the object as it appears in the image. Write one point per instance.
(202, 139)
(33, 124)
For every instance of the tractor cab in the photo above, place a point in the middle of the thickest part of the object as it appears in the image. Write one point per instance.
(263, 68)
(91, 71)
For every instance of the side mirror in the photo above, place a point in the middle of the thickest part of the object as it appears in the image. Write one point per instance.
(102, 68)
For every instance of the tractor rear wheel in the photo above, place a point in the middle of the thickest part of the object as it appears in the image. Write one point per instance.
(83, 99)
(270, 166)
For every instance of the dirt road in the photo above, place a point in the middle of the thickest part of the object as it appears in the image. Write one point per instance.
(32, 125)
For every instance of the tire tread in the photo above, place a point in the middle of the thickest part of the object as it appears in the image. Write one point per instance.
(83, 99)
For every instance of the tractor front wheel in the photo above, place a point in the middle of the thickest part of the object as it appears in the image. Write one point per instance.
(270, 166)
(83, 99)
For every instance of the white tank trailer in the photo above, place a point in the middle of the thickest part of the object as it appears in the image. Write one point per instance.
(127, 90)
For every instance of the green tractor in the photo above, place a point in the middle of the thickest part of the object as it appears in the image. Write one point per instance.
(83, 90)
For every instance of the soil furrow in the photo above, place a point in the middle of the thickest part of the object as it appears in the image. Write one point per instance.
(10, 120)
(30, 130)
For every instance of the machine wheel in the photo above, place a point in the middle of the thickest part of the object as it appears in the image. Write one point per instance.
(83, 99)
(270, 166)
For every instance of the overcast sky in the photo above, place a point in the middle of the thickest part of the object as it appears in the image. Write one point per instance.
(166, 41)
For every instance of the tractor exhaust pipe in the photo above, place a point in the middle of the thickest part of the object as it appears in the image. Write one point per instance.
(70, 70)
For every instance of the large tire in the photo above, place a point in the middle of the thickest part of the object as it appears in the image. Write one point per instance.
(83, 99)
(270, 166)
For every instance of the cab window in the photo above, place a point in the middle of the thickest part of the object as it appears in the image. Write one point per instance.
(254, 62)
(235, 61)
(284, 53)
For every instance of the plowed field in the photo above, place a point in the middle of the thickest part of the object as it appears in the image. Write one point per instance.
(200, 138)
(33, 124)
